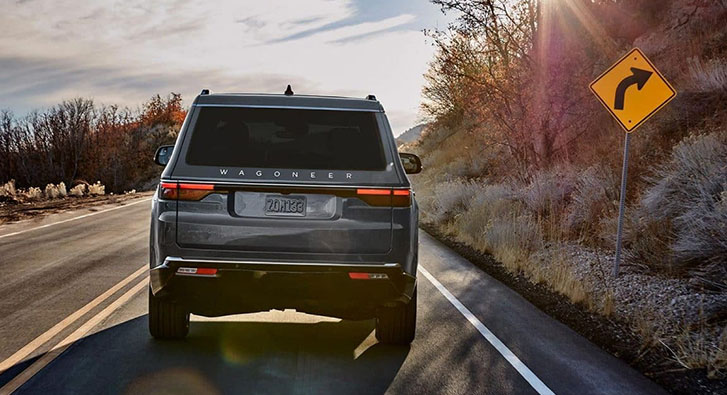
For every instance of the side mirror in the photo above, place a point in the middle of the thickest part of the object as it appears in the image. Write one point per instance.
(161, 157)
(412, 164)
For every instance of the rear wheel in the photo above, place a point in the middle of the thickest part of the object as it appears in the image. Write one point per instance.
(397, 325)
(167, 320)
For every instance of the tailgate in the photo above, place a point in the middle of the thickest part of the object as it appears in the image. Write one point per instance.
(288, 219)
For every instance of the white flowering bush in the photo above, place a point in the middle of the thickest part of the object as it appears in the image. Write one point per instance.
(96, 189)
(33, 193)
(8, 189)
(78, 190)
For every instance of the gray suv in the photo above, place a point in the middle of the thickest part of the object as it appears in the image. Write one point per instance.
(284, 202)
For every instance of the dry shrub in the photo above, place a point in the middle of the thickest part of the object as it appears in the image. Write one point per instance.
(8, 189)
(512, 238)
(707, 76)
(685, 210)
(33, 193)
(647, 241)
(492, 218)
(96, 189)
(452, 197)
(52, 191)
(547, 196)
(594, 198)
(486, 205)
(549, 191)
(492, 221)
(78, 190)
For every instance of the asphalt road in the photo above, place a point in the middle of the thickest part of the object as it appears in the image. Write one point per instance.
(73, 319)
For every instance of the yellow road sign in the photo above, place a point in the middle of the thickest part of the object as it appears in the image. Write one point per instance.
(632, 90)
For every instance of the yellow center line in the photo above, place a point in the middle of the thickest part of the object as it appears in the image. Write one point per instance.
(29, 348)
(64, 344)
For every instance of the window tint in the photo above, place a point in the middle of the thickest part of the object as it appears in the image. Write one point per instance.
(286, 139)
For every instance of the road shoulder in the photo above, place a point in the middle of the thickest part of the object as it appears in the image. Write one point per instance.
(562, 358)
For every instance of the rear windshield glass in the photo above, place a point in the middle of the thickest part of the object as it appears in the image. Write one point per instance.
(286, 139)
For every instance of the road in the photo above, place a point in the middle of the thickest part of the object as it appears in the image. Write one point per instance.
(73, 320)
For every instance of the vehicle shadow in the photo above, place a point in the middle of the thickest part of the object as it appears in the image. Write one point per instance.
(228, 357)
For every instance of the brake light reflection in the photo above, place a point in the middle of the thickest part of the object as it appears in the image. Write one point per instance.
(367, 276)
(197, 271)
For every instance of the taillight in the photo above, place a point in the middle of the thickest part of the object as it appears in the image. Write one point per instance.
(401, 198)
(373, 191)
(385, 197)
(185, 191)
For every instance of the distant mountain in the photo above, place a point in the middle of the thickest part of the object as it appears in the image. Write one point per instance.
(410, 135)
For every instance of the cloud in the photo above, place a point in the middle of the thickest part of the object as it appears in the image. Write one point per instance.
(124, 51)
(343, 30)
(47, 82)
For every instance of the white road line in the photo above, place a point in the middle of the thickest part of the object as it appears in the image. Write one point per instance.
(63, 345)
(29, 348)
(73, 219)
(509, 356)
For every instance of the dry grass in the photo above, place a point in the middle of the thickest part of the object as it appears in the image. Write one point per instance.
(564, 282)
(607, 307)
(694, 349)
(493, 219)
(554, 268)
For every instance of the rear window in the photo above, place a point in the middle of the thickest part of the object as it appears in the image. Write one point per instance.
(286, 139)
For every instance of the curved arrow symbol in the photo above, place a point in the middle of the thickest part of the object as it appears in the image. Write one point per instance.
(638, 77)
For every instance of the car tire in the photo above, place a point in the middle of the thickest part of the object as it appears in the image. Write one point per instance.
(397, 325)
(167, 320)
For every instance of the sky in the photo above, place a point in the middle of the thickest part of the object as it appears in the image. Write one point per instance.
(124, 51)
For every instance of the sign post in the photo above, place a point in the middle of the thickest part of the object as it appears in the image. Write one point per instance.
(632, 90)
(622, 201)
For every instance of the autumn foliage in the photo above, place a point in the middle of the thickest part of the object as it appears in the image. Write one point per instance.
(78, 141)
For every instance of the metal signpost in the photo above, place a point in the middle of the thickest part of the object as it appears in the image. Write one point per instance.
(632, 90)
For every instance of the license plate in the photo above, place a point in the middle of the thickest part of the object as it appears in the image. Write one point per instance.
(285, 205)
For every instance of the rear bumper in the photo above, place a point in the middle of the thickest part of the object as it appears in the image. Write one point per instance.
(250, 286)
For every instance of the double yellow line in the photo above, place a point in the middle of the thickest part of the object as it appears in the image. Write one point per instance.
(58, 348)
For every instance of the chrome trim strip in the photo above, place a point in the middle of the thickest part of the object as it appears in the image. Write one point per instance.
(288, 107)
(322, 264)
(283, 184)
(196, 275)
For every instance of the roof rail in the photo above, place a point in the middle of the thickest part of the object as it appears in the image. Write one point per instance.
(205, 92)
(371, 97)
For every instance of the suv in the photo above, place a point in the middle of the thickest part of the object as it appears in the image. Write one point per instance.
(284, 202)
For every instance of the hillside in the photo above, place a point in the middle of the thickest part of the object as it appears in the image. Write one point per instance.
(410, 135)
(523, 163)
